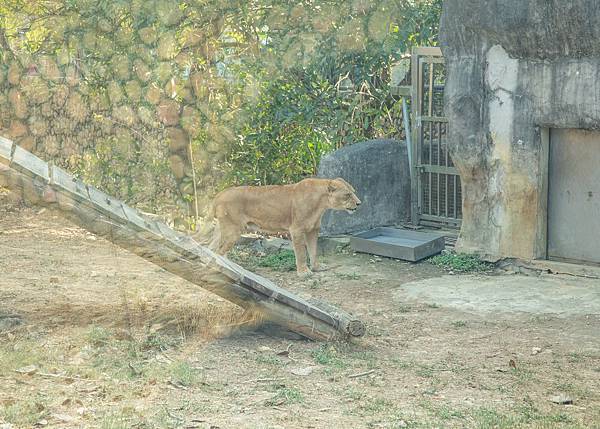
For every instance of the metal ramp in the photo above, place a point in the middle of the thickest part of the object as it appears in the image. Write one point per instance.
(44, 184)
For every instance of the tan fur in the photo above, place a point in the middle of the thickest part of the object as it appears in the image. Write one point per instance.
(296, 209)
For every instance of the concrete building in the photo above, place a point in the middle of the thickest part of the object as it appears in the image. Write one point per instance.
(522, 98)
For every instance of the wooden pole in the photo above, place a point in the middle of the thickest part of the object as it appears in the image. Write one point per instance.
(43, 184)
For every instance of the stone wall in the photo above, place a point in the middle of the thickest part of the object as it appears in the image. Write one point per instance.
(117, 95)
(516, 68)
(379, 171)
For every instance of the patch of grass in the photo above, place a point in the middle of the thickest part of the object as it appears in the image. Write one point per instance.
(284, 260)
(23, 413)
(487, 418)
(376, 406)
(404, 308)
(268, 360)
(446, 413)
(460, 262)
(113, 421)
(348, 276)
(355, 394)
(328, 355)
(19, 354)
(98, 336)
(523, 415)
(156, 341)
(285, 396)
(425, 371)
(459, 323)
(182, 373)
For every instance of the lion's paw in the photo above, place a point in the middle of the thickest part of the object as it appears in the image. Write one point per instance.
(304, 274)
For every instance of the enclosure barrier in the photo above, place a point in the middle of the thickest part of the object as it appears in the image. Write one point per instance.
(44, 184)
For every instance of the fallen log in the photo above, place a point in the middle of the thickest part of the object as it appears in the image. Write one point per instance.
(44, 184)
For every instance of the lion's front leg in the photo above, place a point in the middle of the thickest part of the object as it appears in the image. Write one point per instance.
(312, 238)
(299, 243)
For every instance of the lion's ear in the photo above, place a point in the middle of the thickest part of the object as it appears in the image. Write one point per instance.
(339, 179)
(331, 187)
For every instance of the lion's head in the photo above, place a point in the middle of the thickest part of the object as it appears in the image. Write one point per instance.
(342, 196)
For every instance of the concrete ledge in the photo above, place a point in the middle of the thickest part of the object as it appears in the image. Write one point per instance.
(551, 267)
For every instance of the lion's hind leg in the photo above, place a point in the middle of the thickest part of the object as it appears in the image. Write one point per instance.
(229, 233)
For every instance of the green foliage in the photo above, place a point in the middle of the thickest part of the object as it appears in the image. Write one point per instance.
(329, 356)
(183, 374)
(461, 262)
(269, 86)
(285, 396)
(284, 260)
(322, 82)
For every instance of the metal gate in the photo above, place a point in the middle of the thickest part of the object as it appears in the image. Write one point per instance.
(436, 188)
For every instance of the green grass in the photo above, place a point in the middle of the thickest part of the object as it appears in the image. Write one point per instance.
(525, 415)
(285, 396)
(183, 374)
(348, 276)
(459, 323)
(329, 356)
(375, 406)
(460, 263)
(268, 360)
(24, 413)
(284, 260)
(126, 357)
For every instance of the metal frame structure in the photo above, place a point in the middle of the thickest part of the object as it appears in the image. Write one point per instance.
(436, 198)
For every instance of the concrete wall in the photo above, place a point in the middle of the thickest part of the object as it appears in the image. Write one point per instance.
(379, 171)
(516, 69)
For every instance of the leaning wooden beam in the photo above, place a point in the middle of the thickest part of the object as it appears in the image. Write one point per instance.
(43, 184)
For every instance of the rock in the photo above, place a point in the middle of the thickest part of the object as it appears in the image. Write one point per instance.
(536, 350)
(378, 170)
(303, 371)
(178, 140)
(561, 399)
(275, 244)
(9, 321)
(28, 370)
(168, 112)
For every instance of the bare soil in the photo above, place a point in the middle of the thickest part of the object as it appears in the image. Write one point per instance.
(91, 336)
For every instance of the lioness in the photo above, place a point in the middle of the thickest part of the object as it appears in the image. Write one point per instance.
(296, 209)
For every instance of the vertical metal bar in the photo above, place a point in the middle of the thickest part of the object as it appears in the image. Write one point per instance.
(439, 162)
(414, 112)
(455, 207)
(439, 143)
(430, 110)
(446, 145)
(420, 131)
(430, 163)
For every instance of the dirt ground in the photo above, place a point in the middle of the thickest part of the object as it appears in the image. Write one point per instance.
(91, 336)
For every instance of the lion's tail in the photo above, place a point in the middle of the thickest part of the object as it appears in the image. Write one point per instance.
(206, 232)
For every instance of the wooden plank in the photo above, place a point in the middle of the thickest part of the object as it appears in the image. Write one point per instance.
(6, 147)
(29, 164)
(101, 214)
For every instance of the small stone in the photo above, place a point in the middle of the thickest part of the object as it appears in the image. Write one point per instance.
(561, 399)
(303, 372)
(29, 370)
(536, 350)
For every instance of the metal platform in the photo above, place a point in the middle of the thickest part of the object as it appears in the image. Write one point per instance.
(398, 243)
